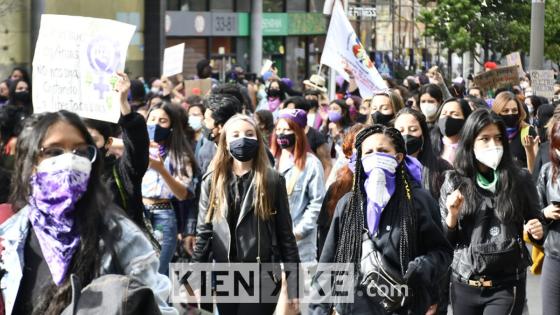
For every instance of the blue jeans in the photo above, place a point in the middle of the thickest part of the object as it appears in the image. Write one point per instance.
(164, 225)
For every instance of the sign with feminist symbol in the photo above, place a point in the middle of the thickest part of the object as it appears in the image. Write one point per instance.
(75, 62)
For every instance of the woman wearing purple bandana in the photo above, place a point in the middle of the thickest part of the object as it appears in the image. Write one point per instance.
(65, 222)
(389, 206)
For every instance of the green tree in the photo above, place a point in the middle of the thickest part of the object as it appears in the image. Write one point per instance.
(552, 31)
(500, 26)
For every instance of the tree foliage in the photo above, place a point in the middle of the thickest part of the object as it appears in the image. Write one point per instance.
(501, 26)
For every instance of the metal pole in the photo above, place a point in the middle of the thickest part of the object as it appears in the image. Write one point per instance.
(537, 35)
(256, 35)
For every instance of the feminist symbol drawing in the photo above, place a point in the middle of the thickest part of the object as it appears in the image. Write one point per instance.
(103, 57)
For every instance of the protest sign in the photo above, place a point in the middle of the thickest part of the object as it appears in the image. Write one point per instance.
(173, 60)
(500, 77)
(344, 49)
(75, 62)
(514, 59)
(542, 82)
(198, 87)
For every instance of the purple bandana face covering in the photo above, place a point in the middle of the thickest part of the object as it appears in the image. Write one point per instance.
(352, 163)
(273, 103)
(57, 185)
(335, 116)
(380, 169)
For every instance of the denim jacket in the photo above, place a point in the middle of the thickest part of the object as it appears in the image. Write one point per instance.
(135, 253)
(305, 204)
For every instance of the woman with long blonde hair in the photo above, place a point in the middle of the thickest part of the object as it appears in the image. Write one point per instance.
(243, 212)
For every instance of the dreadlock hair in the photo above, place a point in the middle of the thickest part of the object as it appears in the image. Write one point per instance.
(349, 248)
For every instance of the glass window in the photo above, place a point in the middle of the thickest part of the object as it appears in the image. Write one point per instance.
(296, 5)
(173, 5)
(194, 5)
(316, 5)
(221, 5)
(273, 5)
(243, 6)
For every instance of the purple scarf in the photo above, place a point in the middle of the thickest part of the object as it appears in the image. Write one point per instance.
(56, 187)
(380, 170)
(512, 132)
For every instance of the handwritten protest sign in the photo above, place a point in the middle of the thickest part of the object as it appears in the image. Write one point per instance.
(542, 82)
(500, 77)
(173, 60)
(344, 49)
(514, 59)
(75, 63)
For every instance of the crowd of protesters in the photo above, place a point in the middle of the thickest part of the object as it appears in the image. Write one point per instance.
(445, 184)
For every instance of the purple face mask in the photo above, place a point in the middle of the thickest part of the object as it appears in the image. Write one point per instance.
(273, 103)
(57, 185)
(380, 170)
(335, 116)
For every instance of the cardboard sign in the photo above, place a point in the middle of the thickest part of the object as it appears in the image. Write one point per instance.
(500, 77)
(75, 62)
(198, 87)
(514, 59)
(542, 82)
(173, 60)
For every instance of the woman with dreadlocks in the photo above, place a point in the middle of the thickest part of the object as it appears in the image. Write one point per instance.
(388, 207)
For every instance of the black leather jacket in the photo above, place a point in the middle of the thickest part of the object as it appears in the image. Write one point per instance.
(484, 245)
(549, 191)
(283, 249)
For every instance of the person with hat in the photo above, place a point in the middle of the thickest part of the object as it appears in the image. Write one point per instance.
(315, 82)
(304, 180)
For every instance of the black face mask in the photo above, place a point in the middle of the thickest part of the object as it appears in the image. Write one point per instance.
(361, 118)
(243, 149)
(22, 97)
(313, 103)
(379, 118)
(449, 126)
(511, 121)
(286, 141)
(413, 144)
(274, 93)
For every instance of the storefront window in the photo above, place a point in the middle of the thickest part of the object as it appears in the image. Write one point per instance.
(243, 6)
(273, 5)
(296, 5)
(221, 5)
(316, 5)
(187, 5)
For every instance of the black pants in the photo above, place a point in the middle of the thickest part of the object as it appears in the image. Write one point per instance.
(550, 286)
(505, 299)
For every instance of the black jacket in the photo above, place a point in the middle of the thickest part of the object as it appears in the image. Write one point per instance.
(130, 167)
(431, 244)
(549, 191)
(283, 249)
(485, 245)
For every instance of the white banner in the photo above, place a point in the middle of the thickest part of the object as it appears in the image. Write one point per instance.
(343, 48)
(173, 60)
(75, 62)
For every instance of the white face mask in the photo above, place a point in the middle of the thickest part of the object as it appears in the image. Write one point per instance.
(429, 110)
(195, 122)
(490, 157)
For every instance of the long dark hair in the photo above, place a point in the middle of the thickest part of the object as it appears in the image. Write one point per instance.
(92, 207)
(180, 151)
(430, 161)
(349, 243)
(509, 198)
(436, 134)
